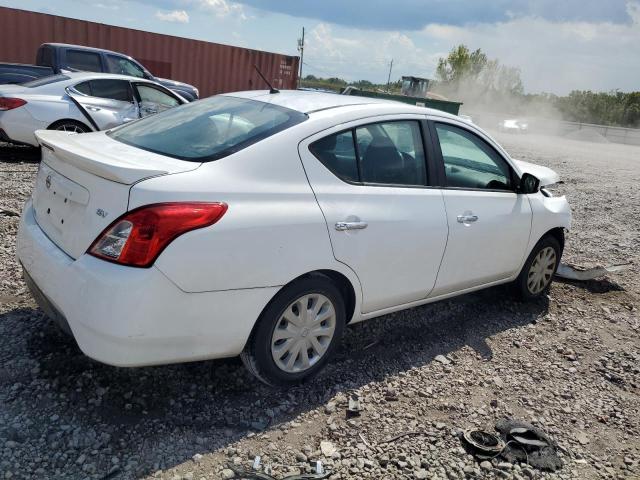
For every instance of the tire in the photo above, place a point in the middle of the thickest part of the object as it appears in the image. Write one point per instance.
(267, 357)
(71, 126)
(538, 271)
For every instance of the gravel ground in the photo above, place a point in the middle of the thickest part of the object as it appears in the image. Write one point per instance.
(569, 364)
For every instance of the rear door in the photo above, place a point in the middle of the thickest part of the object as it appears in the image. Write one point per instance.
(385, 221)
(108, 102)
(489, 223)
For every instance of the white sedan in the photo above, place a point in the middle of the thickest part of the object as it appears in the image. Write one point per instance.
(78, 102)
(260, 224)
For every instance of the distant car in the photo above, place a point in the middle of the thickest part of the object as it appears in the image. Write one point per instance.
(78, 102)
(53, 58)
(513, 126)
(260, 224)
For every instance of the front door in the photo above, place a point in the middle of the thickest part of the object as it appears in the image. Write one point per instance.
(385, 222)
(489, 223)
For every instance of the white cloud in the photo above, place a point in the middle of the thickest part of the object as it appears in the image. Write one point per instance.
(176, 16)
(556, 56)
(362, 54)
(222, 8)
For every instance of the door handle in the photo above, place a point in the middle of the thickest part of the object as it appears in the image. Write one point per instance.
(94, 109)
(467, 218)
(342, 226)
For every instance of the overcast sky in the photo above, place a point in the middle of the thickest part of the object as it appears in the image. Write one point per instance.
(560, 45)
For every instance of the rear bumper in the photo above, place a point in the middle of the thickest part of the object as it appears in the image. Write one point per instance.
(130, 316)
(19, 126)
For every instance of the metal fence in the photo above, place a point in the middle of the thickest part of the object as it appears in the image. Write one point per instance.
(561, 128)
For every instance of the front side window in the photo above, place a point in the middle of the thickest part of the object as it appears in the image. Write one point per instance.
(156, 96)
(84, 61)
(208, 129)
(469, 162)
(389, 153)
(123, 66)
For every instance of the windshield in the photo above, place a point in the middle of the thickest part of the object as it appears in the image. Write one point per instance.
(208, 129)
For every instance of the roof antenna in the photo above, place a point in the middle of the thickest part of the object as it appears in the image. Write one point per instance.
(271, 89)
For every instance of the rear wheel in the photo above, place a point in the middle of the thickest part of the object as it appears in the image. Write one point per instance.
(70, 126)
(297, 333)
(538, 271)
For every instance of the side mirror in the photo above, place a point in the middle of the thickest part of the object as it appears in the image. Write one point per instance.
(528, 184)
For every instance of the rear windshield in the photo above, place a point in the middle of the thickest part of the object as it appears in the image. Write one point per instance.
(45, 81)
(208, 129)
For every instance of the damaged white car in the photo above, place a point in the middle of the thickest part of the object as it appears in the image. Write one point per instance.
(261, 224)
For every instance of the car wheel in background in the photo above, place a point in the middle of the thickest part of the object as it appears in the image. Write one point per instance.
(538, 271)
(297, 332)
(70, 126)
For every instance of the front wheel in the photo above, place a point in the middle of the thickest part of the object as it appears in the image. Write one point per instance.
(538, 271)
(297, 333)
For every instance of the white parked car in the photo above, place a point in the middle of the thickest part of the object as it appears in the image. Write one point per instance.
(78, 102)
(513, 126)
(260, 224)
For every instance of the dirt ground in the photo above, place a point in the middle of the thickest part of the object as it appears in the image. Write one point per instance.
(569, 364)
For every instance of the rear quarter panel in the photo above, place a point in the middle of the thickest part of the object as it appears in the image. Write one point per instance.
(272, 233)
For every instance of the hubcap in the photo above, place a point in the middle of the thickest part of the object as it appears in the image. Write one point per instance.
(541, 270)
(303, 333)
(70, 128)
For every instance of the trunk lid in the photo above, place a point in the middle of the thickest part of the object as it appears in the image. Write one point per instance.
(84, 181)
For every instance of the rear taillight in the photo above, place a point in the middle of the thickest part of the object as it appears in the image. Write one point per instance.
(139, 236)
(7, 103)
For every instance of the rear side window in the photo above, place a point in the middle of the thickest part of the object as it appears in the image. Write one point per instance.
(111, 89)
(208, 129)
(84, 87)
(84, 61)
(338, 154)
(45, 56)
(388, 153)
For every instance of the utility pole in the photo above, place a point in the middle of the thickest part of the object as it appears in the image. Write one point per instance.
(389, 77)
(301, 50)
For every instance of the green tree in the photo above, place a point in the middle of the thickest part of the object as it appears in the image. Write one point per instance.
(466, 74)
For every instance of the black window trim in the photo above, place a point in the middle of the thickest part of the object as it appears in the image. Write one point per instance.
(442, 178)
(431, 167)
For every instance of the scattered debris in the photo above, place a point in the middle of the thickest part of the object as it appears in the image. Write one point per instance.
(442, 359)
(483, 444)
(570, 272)
(354, 408)
(518, 442)
(8, 213)
(327, 448)
(244, 474)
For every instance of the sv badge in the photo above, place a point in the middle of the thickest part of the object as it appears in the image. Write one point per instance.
(101, 213)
